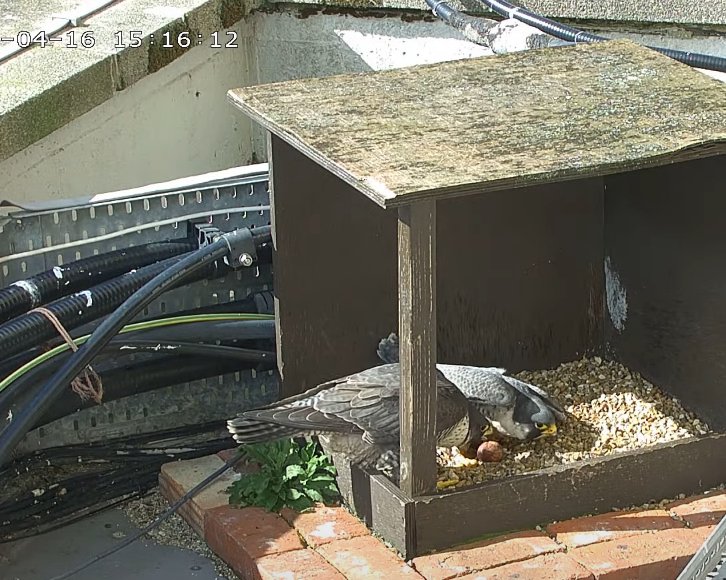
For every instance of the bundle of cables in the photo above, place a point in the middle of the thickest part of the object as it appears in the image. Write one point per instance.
(41, 381)
(478, 28)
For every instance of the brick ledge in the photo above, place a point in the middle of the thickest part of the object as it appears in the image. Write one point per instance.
(330, 543)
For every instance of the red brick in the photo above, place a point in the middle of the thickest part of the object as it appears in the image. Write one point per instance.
(242, 466)
(296, 565)
(611, 526)
(483, 555)
(325, 524)
(178, 477)
(702, 510)
(365, 558)
(545, 567)
(241, 536)
(227, 454)
(657, 556)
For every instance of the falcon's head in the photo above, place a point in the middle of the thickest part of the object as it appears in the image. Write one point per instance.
(534, 419)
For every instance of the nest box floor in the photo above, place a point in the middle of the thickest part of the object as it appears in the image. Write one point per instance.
(610, 409)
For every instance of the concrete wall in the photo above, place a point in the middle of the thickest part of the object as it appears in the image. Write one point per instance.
(177, 122)
(170, 124)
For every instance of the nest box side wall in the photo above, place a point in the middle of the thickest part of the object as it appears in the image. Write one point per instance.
(666, 281)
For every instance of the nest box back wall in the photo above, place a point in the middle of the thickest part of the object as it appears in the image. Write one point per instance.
(665, 245)
(520, 277)
(519, 274)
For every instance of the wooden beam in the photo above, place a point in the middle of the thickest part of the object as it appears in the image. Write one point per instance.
(417, 333)
(562, 492)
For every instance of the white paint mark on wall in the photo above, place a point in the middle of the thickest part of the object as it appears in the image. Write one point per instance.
(616, 297)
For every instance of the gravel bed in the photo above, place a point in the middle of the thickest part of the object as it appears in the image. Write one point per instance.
(610, 409)
(174, 531)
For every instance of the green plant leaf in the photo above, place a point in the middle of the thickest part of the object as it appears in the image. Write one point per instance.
(271, 503)
(300, 504)
(290, 474)
(293, 471)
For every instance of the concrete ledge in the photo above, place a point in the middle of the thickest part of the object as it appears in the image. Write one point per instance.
(45, 88)
(330, 543)
(712, 13)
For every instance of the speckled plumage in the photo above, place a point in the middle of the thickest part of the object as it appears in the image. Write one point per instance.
(512, 406)
(358, 416)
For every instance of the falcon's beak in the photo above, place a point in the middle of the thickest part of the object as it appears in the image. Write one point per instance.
(546, 429)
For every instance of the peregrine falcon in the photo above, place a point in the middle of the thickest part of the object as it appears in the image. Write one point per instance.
(515, 408)
(358, 417)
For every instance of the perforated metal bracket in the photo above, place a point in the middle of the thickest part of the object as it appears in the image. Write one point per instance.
(243, 251)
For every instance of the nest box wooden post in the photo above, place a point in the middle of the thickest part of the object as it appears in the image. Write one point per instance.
(417, 334)
(529, 208)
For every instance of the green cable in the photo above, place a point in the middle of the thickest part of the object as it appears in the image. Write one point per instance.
(146, 325)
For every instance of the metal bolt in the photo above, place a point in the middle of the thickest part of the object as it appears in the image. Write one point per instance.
(245, 259)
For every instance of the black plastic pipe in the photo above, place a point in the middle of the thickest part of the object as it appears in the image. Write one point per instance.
(178, 273)
(41, 288)
(235, 332)
(162, 371)
(32, 328)
(570, 34)
(225, 331)
(241, 334)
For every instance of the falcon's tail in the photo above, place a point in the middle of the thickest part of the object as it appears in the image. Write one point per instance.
(388, 349)
(245, 430)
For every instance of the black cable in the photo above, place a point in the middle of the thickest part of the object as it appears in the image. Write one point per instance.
(151, 375)
(33, 328)
(228, 331)
(122, 379)
(39, 289)
(113, 469)
(232, 331)
(138, 378)
(181, 271)
(181, 349)
(570, 34)
(30, 329)
(158, 521)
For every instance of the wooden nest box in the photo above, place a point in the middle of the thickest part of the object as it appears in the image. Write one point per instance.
(517, 211)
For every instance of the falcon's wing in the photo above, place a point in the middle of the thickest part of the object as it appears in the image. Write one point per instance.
(371, 400)
(484, 384)
(365, 401)
(532, 391)
(495, 391)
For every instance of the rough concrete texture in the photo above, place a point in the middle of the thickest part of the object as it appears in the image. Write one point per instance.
(171, 124)
(48, 555)
(85, 120)
(45, 88)
(30, 15)
(177, 121)
(712, 12)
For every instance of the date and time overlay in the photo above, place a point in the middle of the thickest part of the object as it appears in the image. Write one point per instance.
(123, 39)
